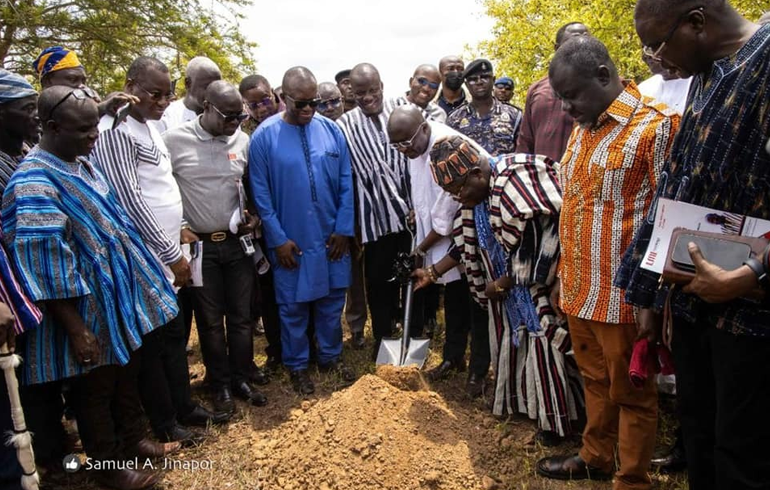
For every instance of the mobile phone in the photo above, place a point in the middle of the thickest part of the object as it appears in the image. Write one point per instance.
(727, 254)
(247, 245)
(121, 115)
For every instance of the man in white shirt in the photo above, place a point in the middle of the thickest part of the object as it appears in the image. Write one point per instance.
(136, 163)
(665, 86)
(200, 72)
(435, 212)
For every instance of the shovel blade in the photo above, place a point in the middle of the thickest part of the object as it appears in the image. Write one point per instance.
(390, 352)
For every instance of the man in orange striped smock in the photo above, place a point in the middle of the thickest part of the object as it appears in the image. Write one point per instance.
(609, 173)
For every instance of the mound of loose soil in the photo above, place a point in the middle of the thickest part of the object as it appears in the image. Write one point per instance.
(374, 435)
(404, 378)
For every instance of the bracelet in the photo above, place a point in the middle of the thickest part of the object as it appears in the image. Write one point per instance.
(435, 271)
(758, 268)
(432, 276)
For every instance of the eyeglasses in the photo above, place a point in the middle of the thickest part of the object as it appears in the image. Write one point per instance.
(329, 104)
(240, 117)
(301, 104)
(427, 83)
(473, 79)
(403, 145)
(157, 95)
(655, 53)
(79, 94)
(262, 103)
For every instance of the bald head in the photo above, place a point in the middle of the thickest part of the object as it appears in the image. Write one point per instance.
(427, 69)
(328, 90)
(584, 55)
(220, 92)
(70, 122)
(331, 104)
(72, 106)
(364, 71)
(201, 65)
(298, 79)
(367, 88)
(448, 60)
(404, 119)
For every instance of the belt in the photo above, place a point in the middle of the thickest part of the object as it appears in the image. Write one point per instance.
(217, 236)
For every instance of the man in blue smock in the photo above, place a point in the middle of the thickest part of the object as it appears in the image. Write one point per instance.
(302, 186)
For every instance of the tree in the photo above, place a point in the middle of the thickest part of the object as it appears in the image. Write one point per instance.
(525, 31)
(107, 35)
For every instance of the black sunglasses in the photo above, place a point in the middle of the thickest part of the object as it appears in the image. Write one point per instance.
(79, 94)
(230, 117)
(301, 104)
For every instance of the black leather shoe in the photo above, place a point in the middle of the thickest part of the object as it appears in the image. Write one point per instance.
(444, 369)
(358, 340)
(301, 382)
(223, 401)
(671, 462)
(347, 376)
(258, 376)
(177, 433)
(243, 391)
(200, 417)
(474, 387)
(570, 468)
(273, 364)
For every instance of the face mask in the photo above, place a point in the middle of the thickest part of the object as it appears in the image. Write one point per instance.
(454, 80)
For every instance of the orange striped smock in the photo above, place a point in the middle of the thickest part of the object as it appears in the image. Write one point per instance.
(609, 174)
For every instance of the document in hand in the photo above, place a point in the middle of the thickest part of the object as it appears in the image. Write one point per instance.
(674, 214)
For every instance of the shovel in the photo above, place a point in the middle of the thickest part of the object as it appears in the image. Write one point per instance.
(404, 351)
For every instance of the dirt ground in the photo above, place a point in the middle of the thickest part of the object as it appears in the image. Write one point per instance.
(390, 430)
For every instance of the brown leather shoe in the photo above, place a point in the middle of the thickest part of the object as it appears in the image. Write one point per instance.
(127, 479)
(147, 448)
(569, 468)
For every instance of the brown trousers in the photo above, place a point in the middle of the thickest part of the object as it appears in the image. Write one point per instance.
(618, 414)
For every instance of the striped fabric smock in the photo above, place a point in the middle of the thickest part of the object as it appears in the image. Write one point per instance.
(380, 173)
(608, 174)
(69, 238)
(533, 375)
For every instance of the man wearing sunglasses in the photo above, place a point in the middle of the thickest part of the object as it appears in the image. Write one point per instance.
(423, 87)
(301, 182)
(136, 162)
(720, 342)
(484, 119)
(330, 103)
(260, 101)
(209, 158)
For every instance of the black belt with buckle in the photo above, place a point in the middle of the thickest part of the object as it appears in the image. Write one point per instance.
(217, 236)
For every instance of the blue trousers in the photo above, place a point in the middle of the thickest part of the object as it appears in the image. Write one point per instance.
(295, 346)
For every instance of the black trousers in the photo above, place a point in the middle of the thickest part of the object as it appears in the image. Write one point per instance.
(268, 310)
(432, 300)
(164, 377)
(384, 296)
(108, 409)
(481, 357)
(186, 298)
(457, 316)
(723, 389)
(228, 285)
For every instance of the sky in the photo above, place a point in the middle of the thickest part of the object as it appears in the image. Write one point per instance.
(394, 35)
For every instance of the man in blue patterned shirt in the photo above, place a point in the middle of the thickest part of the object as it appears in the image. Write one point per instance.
(721, 343)
(484, 119)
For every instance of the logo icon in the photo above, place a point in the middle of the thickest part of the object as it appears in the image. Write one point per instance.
(71, 463)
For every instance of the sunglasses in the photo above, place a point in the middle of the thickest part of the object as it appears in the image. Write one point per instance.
(157, 95)
(473, 79)
(427, 83)
(655, 53)
(403, 145)
(78, 94)
(329, 103)
(262, 103)
(301, 104)
(230, 117)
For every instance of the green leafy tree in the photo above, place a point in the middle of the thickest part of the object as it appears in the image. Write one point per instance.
(525, 31)
(107, 35)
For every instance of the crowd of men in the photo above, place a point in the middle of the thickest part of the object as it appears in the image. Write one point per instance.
(280, 210)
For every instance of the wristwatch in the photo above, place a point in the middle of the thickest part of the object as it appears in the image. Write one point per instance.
(759, 269)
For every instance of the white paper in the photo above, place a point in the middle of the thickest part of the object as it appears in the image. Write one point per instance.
(674, 214)
(196, 263)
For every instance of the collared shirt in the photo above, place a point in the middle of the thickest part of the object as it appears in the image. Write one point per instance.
(174, 116)
(718, 161)
(380, 173)
(447, 106)
(608, 175)
(208, 170)
(496, 132)
(431, 112)
(135, 161)
(545, 127)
